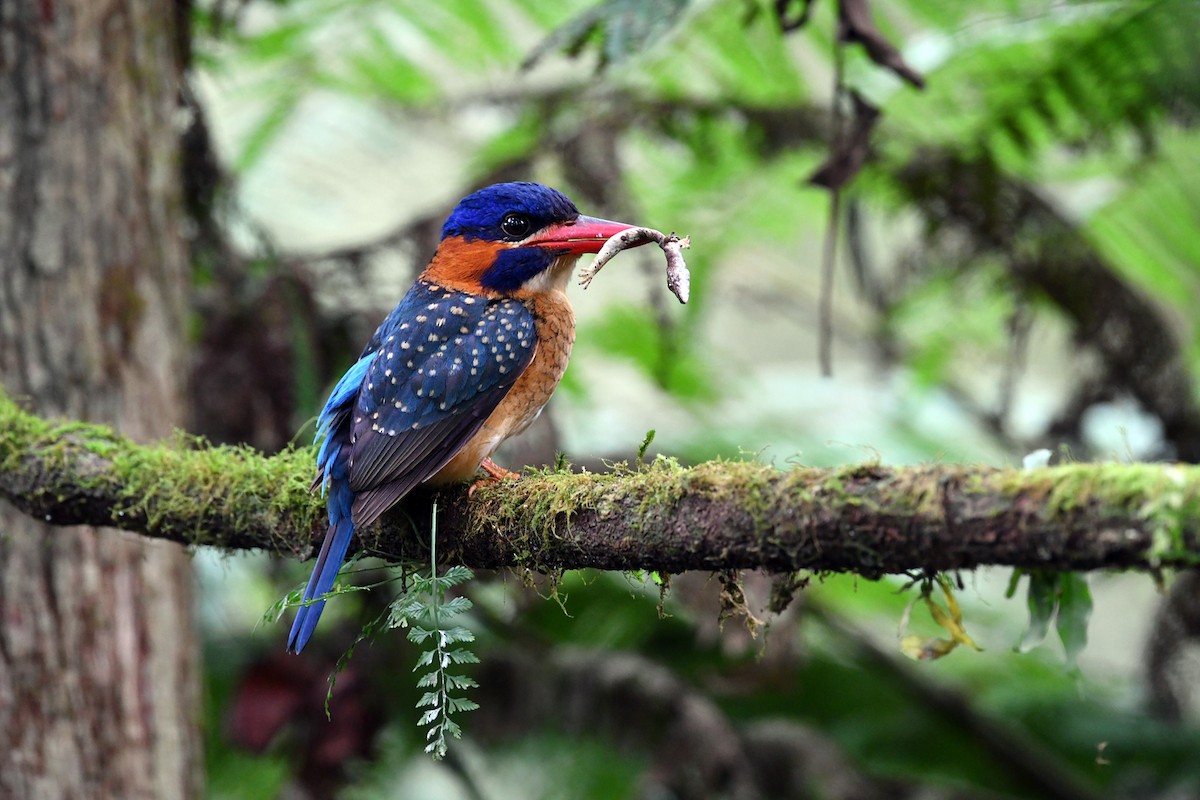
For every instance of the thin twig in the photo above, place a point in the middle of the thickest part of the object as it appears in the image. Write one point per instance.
(829, 258)
(827, 268)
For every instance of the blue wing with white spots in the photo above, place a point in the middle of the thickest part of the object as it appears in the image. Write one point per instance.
(445, 360)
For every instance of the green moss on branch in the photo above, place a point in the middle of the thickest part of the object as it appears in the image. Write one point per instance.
(867, 518)
(182, 489)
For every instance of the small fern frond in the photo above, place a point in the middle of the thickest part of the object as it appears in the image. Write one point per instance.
(424, 610)
(454, 576)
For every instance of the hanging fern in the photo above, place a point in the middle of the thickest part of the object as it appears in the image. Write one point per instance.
(426, 612)
(423, 609)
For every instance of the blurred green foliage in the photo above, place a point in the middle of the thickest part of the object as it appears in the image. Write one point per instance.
(710, 120)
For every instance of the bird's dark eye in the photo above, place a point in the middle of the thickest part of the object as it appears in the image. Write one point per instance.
(515, 225)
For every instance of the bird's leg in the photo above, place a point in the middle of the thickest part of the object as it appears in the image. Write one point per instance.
(495, 473)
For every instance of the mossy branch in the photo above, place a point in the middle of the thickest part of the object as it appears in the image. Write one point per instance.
(867, 519)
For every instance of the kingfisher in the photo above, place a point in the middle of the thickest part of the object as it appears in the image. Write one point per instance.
(467, 359)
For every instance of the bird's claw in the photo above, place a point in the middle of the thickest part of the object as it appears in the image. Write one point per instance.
(494, 471)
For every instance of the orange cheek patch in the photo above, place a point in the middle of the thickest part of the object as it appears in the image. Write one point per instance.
(460, 264)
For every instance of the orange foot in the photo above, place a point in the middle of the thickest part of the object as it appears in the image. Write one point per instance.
(495, 473)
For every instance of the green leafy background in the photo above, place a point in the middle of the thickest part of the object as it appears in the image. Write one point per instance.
(342, 126)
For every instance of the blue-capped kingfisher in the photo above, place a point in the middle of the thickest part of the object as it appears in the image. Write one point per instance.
(467, 359)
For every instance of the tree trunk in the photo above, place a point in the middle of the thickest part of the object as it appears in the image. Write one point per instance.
(98, 654)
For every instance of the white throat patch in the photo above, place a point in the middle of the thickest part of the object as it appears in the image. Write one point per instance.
(554, 276)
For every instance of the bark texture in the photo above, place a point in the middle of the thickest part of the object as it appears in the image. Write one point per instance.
(98, 658)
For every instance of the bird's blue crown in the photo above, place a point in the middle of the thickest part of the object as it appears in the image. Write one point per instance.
(482, 215)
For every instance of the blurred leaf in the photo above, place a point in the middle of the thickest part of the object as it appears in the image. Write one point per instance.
(920, 648)
(514, 144)
(1041, 598)
(270, 125)
(1065, 598)
(928, 318)
(949, 619)
(612, 611)
(1074, 611)
(1077, 73)
(620, 28)
(379, 69)
(283, 41)
(470, 32)
(718, 57)
(546, 765)
(632, 334)
(404, 52)
(1148, 231)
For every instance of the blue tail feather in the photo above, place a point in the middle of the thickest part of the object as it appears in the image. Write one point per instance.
(329, 562)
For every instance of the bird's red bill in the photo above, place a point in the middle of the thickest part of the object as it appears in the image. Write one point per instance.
(583, 235)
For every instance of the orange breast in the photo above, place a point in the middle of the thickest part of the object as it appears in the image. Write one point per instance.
(554, 323)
